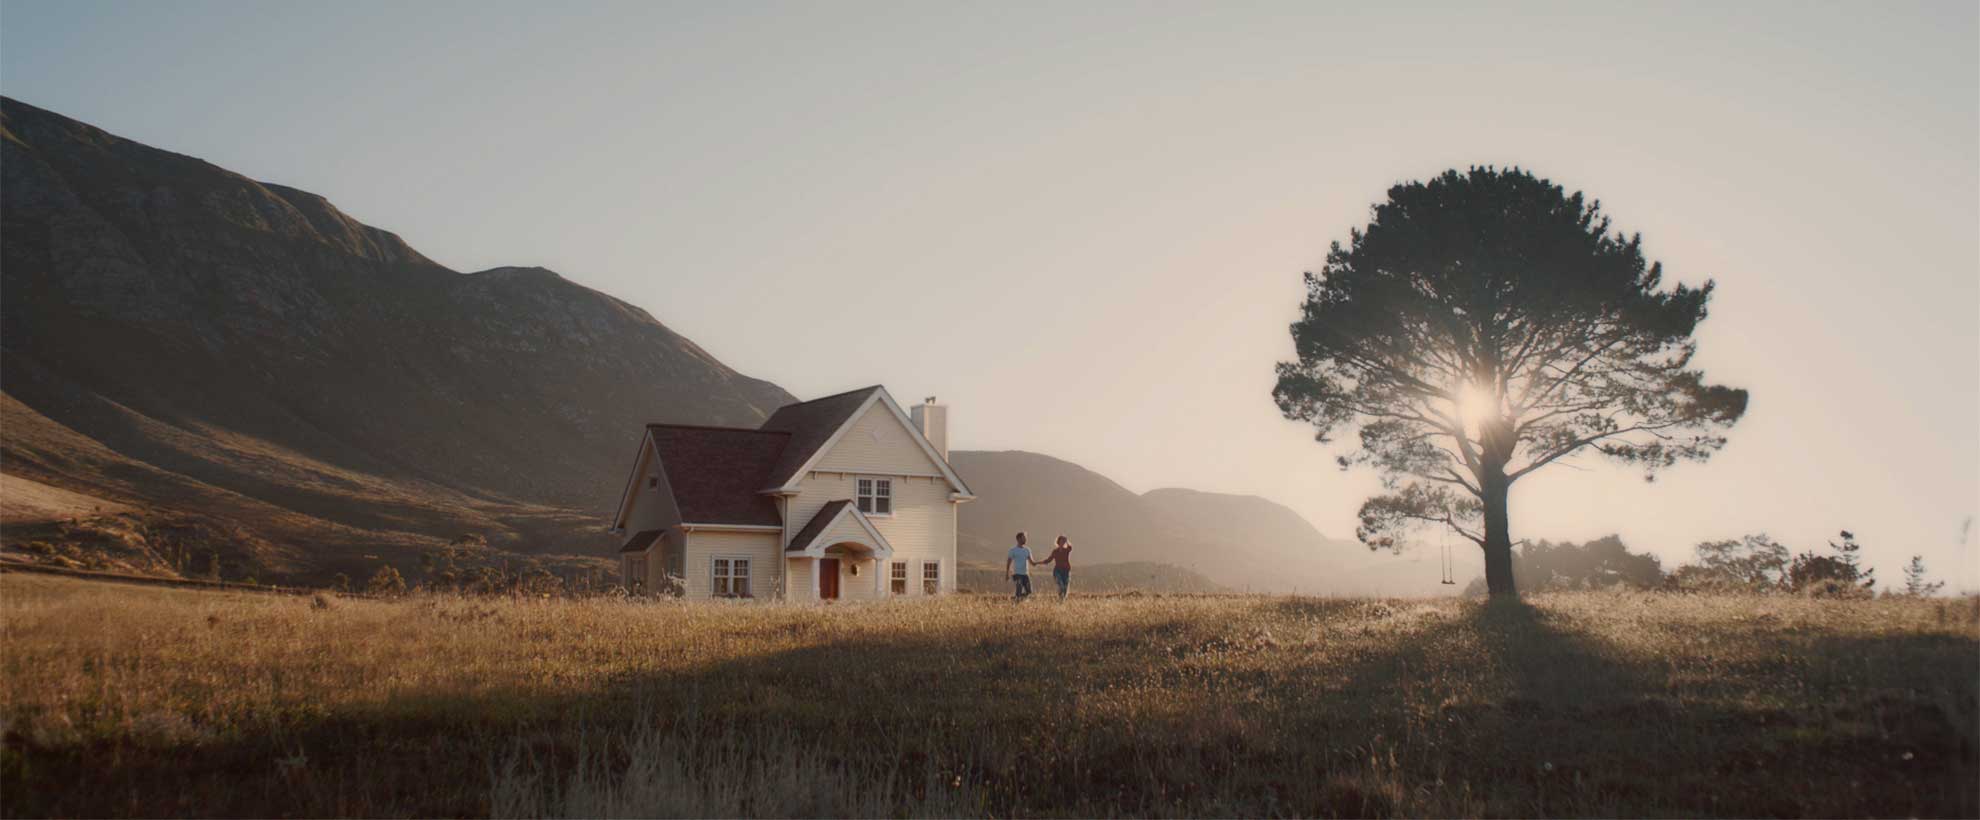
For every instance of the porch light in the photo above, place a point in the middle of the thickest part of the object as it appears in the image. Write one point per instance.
(855, 570)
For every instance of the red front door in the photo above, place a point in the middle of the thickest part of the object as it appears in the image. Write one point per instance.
(828, 578)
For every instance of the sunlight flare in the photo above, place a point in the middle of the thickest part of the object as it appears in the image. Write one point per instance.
(1474, 403)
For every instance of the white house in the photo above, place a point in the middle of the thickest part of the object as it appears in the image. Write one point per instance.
(847, 496)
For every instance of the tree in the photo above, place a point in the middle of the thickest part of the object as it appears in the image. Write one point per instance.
(1750, 562)
(1846, 552)
(1604, 562)
(386, 581)
(1483, 326)
(1915, 584)
(1837, 574)
(1599, 564)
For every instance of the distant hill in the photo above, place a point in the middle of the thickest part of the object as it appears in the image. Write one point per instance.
(210, 364)
(179, 335)
(1241, 542)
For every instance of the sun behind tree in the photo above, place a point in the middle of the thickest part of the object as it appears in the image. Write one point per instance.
(1484, 325)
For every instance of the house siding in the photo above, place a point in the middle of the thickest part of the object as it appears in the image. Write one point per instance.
(765, 565)
(670, 558)
(878, 442)
(923, 526)
(797, 578)
(862, 587)
(651, 508)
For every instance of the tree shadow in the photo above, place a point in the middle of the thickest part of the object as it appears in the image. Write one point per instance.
(1274, 707)
(1530, 713)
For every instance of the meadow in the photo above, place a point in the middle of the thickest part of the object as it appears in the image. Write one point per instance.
(126, 700)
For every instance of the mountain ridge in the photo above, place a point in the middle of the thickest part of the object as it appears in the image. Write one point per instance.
(1237, 541)
(242, 369)
(248, 346)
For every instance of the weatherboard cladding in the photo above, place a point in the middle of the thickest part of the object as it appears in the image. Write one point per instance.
(810, 424)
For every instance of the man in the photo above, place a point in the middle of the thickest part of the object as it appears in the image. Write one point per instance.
(1061, 561)
(1017, 570)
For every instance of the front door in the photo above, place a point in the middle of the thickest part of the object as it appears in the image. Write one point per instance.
(828, 579)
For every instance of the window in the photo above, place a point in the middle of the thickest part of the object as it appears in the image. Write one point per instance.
(731, 578)
(876, 496)
(653, 482)
(931, 577)
(899, 578)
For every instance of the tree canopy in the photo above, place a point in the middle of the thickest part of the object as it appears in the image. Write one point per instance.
(1485, 325)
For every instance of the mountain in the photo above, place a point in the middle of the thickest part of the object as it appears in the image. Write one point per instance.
(201, 368)
(182, 337)
(1241, 542)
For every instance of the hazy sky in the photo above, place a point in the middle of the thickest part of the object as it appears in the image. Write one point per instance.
(1083, 225)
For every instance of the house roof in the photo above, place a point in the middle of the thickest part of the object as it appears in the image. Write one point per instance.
(725, 475)
(716, 472)
(640, 541)
(808, 537)
(816, 525)
(810, 424)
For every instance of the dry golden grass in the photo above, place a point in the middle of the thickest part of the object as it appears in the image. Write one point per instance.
(125, 700)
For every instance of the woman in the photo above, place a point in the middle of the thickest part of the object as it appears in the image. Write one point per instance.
(1061, 561)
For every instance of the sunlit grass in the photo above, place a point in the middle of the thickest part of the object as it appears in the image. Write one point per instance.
(127, 700)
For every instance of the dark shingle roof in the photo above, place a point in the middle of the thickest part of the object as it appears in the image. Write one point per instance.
(816, 525)
(640, 541)
(717, 472)
(809, 425)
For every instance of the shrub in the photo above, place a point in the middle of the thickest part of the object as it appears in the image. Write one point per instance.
(386, 581)
(1835, 575)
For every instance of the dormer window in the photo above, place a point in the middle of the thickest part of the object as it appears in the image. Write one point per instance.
(876, 496)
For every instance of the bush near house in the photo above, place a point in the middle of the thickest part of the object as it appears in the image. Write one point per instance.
(1588, 703)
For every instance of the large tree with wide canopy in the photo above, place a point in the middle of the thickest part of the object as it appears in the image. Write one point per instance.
(1485, 325)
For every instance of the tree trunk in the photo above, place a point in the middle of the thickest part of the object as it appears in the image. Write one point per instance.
(1498, 535)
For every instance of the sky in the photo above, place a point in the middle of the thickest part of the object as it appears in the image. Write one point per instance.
(1083, 225)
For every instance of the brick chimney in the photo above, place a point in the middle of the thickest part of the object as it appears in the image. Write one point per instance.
(933, 421)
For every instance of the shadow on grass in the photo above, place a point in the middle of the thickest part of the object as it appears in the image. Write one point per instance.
(1524, 712)
(1288, 707)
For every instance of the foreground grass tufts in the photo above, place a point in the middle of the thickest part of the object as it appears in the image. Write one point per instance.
(123, 700)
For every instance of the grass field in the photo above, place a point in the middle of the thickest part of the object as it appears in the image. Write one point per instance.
(123, 700)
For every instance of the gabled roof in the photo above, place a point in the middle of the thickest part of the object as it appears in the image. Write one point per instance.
(807, 539)
(816, 525)
(811, 424)
(816, 424)
(715, 472)
(726, 475)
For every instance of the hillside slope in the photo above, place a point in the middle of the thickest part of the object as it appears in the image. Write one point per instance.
(180, 335)
(1242, 542)
(237, 369)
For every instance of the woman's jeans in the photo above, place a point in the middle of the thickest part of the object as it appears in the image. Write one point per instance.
(1064, 577)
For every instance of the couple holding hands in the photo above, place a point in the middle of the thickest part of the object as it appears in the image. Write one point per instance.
(1018, 564)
